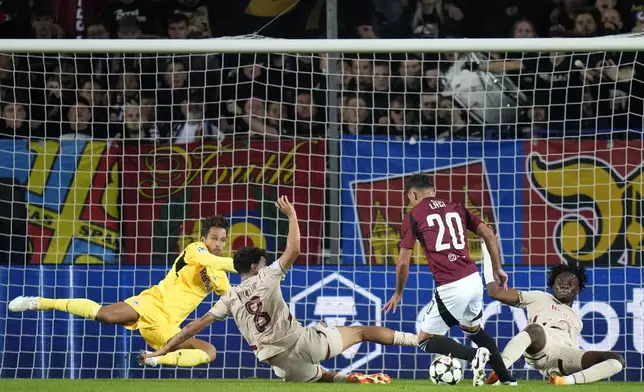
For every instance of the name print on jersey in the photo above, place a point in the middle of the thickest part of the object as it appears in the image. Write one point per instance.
(205, 279)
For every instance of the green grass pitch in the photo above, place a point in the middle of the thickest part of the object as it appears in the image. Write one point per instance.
(25, 385)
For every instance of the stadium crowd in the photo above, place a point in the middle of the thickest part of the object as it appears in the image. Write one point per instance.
(182, 98)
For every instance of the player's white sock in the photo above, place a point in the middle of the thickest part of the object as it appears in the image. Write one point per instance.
(340, 377)
(596, 372)
(515, 348)
(405, 339)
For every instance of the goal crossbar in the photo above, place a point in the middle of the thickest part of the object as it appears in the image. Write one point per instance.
(249, 45)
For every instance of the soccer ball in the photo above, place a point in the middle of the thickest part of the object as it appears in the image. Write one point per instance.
(445, 370)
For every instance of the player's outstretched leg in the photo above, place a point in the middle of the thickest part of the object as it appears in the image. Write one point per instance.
(191, 353)
(354, 335)
(119, 313)
(531, 341)
(483, 340)
(597, 365)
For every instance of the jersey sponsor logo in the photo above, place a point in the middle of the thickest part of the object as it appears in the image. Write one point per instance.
(205, 279)
(599, 221)
(380, 213)
(338, 301)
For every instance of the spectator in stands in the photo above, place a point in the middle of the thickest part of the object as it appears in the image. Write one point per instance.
(432, 74)
(196, 13)
(172, 90)
(382, 81)
(193, 125)
(278, 118)
(42, 22)
(128, 27)
(562, 17)
(68, 69)
(78, 124)
(381, 77)
(523, 28)
(362, 68)
(430, 125)
(124, 87)
(249, 79)
(355, 115)
(459, 126)
(92, 92)
(135, 125)
(365, 29)
(612, 21)
(12, 73)
(247, 116)
(585, 24)
(309, 120)
(397, 123)
(141, 18)
(178, 26)
(434, 19)
(14, 116)
(96, 29)
(602, 5)
(345, 76)
(46, 111)
(410, 83)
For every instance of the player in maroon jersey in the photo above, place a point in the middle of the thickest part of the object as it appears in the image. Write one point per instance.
(440, 227)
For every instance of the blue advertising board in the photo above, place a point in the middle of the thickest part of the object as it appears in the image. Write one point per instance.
(54, 344)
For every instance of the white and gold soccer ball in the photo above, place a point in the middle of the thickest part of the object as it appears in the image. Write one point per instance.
(445, 370)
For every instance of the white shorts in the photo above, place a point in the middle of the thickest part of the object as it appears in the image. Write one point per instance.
(558, 357)
(459, 302)
(300, 363)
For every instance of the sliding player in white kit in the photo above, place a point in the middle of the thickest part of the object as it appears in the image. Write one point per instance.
(549, 342)
(263, 318)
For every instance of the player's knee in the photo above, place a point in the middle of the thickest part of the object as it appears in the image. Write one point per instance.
(536, 332)
(211, 352)
(616, 356)
(470, 329)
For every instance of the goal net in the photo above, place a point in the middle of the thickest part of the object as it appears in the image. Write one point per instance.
(108, 162)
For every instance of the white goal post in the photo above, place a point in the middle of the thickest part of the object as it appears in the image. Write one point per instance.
(249, 45)
(113, 151)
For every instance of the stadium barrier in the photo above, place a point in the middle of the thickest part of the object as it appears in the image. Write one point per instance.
(55, 345)
(70, 195)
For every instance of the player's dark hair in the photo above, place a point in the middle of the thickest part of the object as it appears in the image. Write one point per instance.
(419, 181)
(218, 221)
(578, 270)
(247, 256)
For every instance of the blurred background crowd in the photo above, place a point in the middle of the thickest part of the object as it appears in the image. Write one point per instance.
(181, 98)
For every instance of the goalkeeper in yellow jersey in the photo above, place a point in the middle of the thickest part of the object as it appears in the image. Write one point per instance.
(159, 311)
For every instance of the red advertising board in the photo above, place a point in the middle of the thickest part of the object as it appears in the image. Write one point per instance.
(167, 190)
(585, 202)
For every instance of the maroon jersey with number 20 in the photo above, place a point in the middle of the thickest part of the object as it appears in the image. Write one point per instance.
(440, 227)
